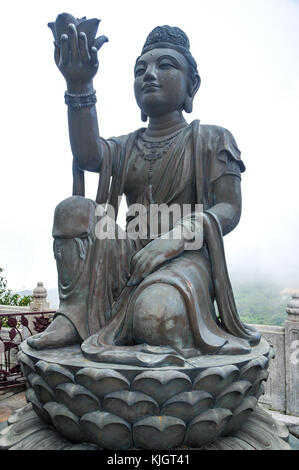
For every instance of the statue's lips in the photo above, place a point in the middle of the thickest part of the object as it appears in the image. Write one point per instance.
(150, 87)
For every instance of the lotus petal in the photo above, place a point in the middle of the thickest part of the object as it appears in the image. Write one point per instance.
(54, 374)
(131, 406)
(187, 405)
(241, 415)
(37, 406)
(61, 25)
(26, 363)
(42, 389)
(233, 395)
(65, 421)
(251, 370)
(207, 427)
(107, 430)
(159, 432)
(215, 379)
(99, 42)
(162, 385)
(90, 28)
(77, 399)
(101, 381)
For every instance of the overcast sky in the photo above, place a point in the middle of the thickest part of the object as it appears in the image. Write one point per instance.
(248, 58)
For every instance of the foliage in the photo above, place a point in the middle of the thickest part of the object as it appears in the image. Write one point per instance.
(261, 302)
(7, 297)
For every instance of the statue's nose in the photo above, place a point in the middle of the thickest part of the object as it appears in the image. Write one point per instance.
(150, 74)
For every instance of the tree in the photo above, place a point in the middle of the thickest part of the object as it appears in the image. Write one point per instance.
(7, 297)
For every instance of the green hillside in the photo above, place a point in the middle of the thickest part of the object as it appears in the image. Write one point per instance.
(261, 302)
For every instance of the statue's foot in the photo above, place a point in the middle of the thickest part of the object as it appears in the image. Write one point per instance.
(235, 346)
(60, 333)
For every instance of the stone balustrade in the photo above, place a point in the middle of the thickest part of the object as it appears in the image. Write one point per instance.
(282, 387)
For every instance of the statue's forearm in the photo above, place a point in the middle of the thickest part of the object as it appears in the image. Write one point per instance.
(84, 134)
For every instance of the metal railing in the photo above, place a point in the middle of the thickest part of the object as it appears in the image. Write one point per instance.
(14, 328)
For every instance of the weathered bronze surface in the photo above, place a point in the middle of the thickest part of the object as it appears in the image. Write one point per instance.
(125, 406)
(26, 431)
(149, 300)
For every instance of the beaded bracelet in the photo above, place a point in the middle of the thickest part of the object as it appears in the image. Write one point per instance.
(80, 100)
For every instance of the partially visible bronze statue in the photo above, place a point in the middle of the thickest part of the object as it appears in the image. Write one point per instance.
(145, 301)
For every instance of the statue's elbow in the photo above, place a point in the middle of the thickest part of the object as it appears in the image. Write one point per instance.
(236, 210)
(85, 163)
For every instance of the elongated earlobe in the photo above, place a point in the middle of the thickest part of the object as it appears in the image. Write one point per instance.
(188, 105)
(143, 117)
(193, 88)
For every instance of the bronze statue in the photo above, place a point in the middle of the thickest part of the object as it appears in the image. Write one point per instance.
(145, 301)
(138, 356)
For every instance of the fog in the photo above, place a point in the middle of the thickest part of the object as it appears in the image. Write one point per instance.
(248, 58)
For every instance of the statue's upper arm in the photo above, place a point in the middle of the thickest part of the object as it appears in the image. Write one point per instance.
(227, 189)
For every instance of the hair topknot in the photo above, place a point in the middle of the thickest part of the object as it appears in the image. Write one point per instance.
(167, 34)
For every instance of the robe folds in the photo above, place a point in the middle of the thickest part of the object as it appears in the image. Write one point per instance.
(199, 156)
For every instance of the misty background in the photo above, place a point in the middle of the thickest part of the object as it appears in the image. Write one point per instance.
(248, 58)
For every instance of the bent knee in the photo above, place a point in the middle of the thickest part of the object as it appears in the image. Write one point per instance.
(158, 299)
(74, 217)
(160, 317)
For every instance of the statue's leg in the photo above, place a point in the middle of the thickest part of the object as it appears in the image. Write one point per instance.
(73, 229)
(160, 318)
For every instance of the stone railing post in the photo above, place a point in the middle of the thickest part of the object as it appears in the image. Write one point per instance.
(292, 356)
(39, 303)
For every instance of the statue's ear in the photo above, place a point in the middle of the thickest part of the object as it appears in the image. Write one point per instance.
(192, 90)
(143, 117)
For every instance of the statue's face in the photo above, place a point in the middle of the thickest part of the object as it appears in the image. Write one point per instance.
(161, 81)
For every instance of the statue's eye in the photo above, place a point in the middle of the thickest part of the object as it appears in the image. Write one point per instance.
(139, 71)
(166, 65)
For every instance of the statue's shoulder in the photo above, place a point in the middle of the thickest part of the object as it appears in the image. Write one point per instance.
(213, 133)
(124, 139)
(214, 140)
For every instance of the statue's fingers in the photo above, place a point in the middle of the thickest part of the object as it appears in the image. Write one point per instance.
(136, 276)
(56, 53)
(64, 52)
(135, 259)
(83, 48)
(73, 40)
(152, 265)
(94, 57)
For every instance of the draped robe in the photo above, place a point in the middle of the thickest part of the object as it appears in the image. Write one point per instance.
(199, 156)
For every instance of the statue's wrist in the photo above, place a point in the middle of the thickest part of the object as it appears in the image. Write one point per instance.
(80, 88)
(82, 99)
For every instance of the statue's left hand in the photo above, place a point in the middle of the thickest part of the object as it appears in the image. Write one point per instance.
(152, 255)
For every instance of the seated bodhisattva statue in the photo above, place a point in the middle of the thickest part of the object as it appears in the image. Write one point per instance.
(147, 299)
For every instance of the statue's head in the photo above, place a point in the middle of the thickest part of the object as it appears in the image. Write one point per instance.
(166, 76)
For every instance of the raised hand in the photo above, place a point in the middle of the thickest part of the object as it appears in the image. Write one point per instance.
(77, 64)
(76, 49)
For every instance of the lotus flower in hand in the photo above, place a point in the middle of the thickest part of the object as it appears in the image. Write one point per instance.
(89, 27)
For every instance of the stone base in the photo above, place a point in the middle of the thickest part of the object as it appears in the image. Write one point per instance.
(117, 406)
(26, 431)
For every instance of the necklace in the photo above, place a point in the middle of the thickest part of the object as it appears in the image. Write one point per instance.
(152, 150)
